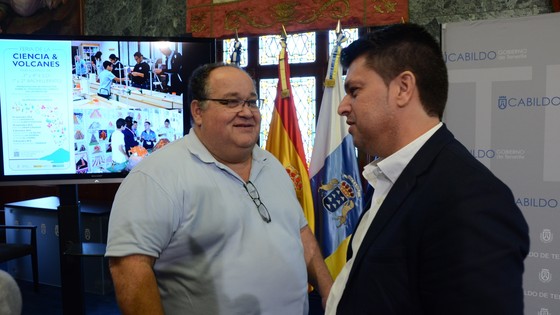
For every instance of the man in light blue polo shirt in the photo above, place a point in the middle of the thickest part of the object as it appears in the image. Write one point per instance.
(211, 224)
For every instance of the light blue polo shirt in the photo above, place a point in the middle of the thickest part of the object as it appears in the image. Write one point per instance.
(215, 253)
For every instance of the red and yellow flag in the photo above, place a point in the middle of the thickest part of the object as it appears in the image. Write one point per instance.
(284, 138)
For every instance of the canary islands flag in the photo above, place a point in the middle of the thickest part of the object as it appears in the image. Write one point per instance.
(335, 177)
(284, 138)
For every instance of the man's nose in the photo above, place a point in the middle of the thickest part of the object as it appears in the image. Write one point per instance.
(344, 106)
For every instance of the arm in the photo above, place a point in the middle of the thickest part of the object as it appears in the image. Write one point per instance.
(123, 151)
(145, 72)
(141, 71)
(175, 64)
(135, 284)
(318, 274)
(476, 246)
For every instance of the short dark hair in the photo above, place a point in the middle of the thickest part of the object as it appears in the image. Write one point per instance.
(166, 120)
(405, 47)
(138, 54)
(113, 56)
(198, 82)
(120, 123)
(106, 63)
(128, 121)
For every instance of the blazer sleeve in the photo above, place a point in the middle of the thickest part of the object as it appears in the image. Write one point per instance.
(473, 251)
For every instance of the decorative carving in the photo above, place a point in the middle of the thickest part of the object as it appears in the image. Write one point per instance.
(384, 6)
(286, 13)
(197, 22)
(335, 9)
(212, 18)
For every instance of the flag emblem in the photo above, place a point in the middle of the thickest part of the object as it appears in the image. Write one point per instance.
(295, 176)
(339, 196)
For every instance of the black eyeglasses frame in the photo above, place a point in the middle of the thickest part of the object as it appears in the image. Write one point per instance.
(254, 194)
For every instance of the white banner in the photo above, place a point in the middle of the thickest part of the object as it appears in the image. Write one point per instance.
(504, 105)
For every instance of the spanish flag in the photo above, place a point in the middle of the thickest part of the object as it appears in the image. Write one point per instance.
(284, 138)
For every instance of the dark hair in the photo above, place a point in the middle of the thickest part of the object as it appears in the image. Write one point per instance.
(120, 123)
(106, 63)
(198, 82)
(138, 54)
(405, 47)
(128, 121)
(98, 55)
(113, 56)
(166, 120)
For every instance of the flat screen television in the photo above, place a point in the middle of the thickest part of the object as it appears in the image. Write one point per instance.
(56, 128)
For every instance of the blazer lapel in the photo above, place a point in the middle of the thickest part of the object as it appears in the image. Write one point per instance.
(401, 189)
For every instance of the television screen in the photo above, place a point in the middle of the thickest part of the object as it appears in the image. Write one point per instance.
(63, 98)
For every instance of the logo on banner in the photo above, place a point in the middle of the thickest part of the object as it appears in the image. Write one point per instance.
(505, 154)
(340, 195)
(469, 56)
(537, 202)
(512, 54)
(546, 236)
(545, 276)
(527, 102)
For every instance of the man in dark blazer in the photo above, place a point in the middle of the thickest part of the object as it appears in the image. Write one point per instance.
(173, 69)
(443, 235)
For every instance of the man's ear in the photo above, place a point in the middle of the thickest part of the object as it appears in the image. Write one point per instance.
(196, 112)
(406, 87)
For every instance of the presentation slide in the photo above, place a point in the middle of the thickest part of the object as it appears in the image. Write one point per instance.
(59, 106)
(36, 118)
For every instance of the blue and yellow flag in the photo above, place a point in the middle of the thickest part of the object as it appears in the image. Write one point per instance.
(334, 172)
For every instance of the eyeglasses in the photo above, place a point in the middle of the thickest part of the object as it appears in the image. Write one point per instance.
(254, 194)
(237, 104)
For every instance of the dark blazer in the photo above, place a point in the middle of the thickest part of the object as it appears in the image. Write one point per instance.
(448, 239)
(175, 72)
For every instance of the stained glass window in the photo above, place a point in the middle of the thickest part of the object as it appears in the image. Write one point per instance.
(301, 48)
(351, 34)
(303, 89)
(229, 47)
